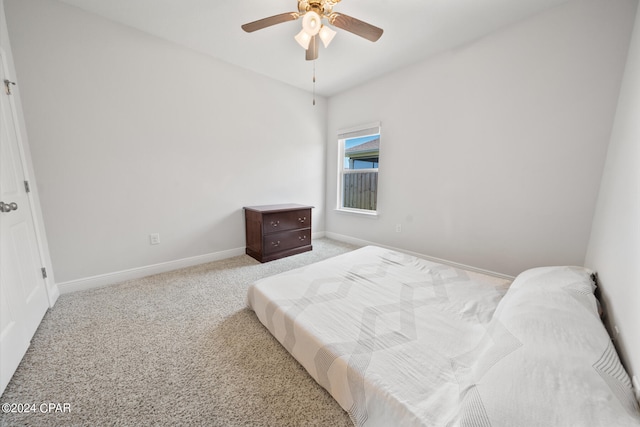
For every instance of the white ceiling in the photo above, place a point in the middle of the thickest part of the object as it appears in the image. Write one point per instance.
(413, 30)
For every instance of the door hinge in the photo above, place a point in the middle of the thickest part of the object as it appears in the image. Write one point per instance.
(7, 86)
(26, 187)
(44, 272)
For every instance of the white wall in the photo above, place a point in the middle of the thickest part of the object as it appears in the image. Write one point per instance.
(132, 135)
(614, 247)
(5, 44)
(491, 154)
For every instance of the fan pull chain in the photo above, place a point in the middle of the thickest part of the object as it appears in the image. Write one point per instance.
(314, 82)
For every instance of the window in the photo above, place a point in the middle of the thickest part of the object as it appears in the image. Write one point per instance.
(359, 157)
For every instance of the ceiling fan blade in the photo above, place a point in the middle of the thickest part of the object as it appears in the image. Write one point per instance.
(272, 20)
(356, 26)
(312, 51)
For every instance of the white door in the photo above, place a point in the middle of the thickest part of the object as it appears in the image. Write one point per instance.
(23, 294)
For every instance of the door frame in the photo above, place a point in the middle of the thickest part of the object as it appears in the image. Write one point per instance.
(6, 62)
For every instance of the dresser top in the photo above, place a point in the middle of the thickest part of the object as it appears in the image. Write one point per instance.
(277, 208)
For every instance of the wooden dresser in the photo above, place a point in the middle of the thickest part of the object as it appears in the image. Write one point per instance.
(277, 231)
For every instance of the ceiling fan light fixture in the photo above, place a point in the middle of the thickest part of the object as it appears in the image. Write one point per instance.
(326, 35)
(303, 39)
(311, 23)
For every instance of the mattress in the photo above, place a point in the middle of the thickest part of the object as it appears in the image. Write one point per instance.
(383, 332)
(399, 340)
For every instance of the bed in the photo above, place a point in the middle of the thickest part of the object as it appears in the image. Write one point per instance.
(399, 340)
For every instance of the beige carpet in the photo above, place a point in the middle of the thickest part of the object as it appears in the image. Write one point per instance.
(179, 348)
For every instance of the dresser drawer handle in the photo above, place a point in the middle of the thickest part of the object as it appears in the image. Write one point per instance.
(302, 238)
(302, 220)
(275, 223)
(275, 244)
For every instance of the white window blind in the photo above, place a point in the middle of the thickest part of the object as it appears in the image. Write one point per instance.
(358, 131)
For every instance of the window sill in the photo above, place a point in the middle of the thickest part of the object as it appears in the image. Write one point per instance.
(358, 212)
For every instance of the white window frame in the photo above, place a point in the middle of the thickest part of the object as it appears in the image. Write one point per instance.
(369, 129)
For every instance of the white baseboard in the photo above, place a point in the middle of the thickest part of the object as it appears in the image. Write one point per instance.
(107, 279)
(138, 272)
(360, 242)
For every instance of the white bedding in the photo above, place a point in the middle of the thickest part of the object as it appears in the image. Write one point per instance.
(399, 340)
(547, 359)
(379, 330)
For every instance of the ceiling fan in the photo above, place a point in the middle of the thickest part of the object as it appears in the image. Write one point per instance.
(312, 13)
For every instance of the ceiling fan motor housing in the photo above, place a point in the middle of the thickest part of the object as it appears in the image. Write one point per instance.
(321, 7)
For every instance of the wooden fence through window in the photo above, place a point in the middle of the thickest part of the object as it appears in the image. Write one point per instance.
(360, 190)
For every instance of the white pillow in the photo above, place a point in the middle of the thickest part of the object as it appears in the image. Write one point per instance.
(547, 359)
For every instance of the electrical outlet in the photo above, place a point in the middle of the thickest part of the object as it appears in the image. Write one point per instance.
(154, 238)
(398, 228)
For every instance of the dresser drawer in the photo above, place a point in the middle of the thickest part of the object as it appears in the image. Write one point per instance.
(282, 221)
(283, 240)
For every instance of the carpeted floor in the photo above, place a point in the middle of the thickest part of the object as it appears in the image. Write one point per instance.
(178, 348)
